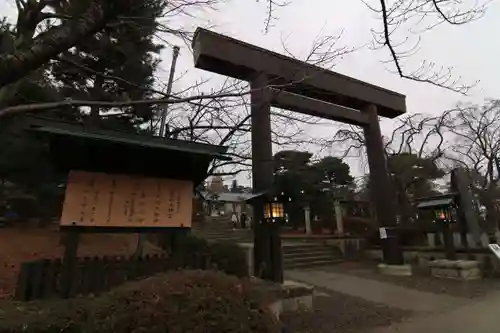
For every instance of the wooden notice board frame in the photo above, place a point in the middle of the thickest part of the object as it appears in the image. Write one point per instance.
(99, 202)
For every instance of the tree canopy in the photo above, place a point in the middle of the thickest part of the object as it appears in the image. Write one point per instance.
(311, 183)
(115, 62)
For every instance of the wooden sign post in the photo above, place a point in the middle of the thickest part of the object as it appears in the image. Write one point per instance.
(99, 202)
(122, 182)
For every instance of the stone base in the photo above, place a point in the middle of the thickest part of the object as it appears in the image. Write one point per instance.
(398, 270)
(455, 269)
(290, 296)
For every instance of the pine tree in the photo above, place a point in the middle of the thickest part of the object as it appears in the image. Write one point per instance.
(115, 64)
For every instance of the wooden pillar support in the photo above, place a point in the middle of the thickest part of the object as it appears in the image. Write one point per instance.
(268, 258)
(69, 262)
(381, 189)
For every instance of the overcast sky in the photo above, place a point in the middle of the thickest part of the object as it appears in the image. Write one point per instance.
(470, 49)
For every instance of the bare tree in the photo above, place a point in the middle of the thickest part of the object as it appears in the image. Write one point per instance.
(226, 121)
(217, 116)
(417, 134)
(41, 34)
(417, 17)
(220, 116)
(402, 25)
(476, 147)
(416, 141)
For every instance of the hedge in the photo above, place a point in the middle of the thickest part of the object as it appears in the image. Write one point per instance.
(182, 301)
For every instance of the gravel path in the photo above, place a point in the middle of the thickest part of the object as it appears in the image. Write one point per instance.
(338, 313)
(464, 289)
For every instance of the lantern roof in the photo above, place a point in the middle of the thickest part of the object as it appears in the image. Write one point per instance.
(438, 201)
(268, 194)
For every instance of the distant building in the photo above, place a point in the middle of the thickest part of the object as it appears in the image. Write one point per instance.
(226, 203)
(216, 184)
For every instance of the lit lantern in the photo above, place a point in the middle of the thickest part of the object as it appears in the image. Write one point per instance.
(444, 214)
(274, 210)
(273, 205)
(443, 209)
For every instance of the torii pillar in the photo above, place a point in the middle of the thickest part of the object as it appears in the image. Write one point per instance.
(268, 257)
(381, 188)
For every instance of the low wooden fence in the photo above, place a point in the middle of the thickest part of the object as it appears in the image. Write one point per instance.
(48, 278)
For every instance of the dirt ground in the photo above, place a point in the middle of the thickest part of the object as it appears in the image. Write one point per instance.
(18, 245)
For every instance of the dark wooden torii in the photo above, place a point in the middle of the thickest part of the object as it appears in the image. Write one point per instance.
(287, 83)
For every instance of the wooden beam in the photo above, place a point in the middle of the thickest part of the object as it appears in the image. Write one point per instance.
(314, 107)
(231, 57)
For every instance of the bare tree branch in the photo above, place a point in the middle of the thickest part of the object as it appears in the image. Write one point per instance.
(411, 14)
(47, 45)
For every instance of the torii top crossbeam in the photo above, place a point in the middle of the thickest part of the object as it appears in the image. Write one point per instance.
(231, 57)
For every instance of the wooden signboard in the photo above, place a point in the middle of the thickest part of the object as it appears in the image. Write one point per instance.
(106, 200)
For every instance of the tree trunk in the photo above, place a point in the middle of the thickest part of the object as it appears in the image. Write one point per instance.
(49, 44)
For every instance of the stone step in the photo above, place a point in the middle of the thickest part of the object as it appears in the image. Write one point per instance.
(311, 263)
(295, 255)
(229, 237)
(311, 257)
(315, 252)
(307, 249)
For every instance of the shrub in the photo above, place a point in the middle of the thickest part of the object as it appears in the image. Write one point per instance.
(48, 316)
(193, 244)
(225, 256)
(182, 301)
(229, 258)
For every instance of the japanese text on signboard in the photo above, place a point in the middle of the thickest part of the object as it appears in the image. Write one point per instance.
(98, 199)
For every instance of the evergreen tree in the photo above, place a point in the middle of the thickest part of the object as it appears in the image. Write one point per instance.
(24, 159)
(115, 64)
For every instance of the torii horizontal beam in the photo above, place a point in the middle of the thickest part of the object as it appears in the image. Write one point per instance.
(314, 107)
(231, 57)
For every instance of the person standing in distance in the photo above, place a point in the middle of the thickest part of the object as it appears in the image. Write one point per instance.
(243, 220)
(234, 220)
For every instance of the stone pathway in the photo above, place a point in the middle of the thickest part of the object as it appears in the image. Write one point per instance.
(378, 292)
(434, 313)
(478, 316)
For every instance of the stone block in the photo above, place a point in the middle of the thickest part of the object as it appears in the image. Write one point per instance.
(302, 303)
(455, 269)
(276, 308)
(290, 296)
(398, 270)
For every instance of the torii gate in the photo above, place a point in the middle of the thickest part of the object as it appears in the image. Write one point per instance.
(283, 82)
